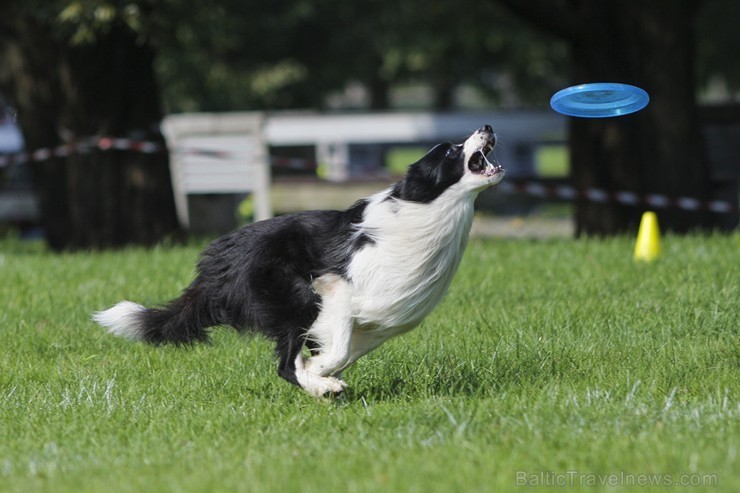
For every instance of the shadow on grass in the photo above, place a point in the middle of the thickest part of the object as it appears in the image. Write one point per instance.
(459, 377)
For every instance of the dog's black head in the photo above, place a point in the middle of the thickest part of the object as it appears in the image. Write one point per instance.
(447, 165)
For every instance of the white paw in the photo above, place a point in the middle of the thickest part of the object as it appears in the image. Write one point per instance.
(320, 386)
(332, 386)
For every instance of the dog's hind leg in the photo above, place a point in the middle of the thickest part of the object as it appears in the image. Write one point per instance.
(291, 367)
(288, 350)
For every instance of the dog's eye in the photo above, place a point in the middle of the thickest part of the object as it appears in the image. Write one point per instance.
(452, 151)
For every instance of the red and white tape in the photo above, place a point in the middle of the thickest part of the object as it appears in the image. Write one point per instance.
(534, 189)
(124, 144)
(81, 147)
(598, 195)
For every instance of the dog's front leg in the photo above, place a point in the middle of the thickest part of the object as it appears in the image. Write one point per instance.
(332, 334)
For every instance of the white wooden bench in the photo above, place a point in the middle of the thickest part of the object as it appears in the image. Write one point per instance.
(218, 153)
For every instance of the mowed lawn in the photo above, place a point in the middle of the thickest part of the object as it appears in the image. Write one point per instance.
(552, 363)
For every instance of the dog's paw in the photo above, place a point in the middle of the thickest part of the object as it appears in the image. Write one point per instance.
(327, 387)
(334, 387)
(320, 386)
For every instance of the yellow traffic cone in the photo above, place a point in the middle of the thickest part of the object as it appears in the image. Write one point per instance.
(647, 247)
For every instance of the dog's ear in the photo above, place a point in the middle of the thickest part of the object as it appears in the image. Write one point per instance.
(429, 167)
(427, 178)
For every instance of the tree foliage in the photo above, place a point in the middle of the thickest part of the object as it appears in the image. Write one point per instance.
(232, 54)
(287, 54)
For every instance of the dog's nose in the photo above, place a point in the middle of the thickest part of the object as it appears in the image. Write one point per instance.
(486, 128)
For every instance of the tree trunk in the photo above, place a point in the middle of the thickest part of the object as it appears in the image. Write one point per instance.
(658, 150)
(377, 84)
(65, 93)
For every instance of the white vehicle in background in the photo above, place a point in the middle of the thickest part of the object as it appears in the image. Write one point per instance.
(18, 206)
(11, 140)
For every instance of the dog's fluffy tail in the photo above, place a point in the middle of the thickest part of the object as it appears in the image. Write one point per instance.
(181, 321)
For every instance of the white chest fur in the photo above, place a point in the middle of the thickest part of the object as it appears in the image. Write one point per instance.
(405, 273)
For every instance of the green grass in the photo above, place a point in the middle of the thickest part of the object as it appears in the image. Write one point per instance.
(556, 361)
(552, 161)
(398, 159)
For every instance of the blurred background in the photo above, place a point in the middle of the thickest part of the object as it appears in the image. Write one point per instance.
(73, 72)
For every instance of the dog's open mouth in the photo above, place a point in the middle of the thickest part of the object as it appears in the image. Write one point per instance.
(479, 164)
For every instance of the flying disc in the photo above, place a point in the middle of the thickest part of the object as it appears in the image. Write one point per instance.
(599, 100)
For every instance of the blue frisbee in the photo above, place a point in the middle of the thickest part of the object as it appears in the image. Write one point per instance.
(599, 100)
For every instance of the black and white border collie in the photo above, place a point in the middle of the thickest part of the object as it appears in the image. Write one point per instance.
(339, 283)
